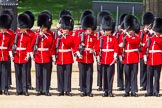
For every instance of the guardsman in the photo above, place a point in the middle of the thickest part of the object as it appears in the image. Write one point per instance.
(49, 30)
(62, 13)
(21, 51)
(31, 34)
(98, 34)
(153, 59)
(80, 30)
(148, 19)
(64, 56)
(5, 50)
(11, 32)
(108, 49)
(120, 65)
(130, 54)
(42, 48)
(84, 50)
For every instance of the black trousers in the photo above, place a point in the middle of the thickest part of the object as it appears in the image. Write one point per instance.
(50, 73)
(153, 75)
(120, 74)
(108, 77)
(21, 77)
(143, 73)
(86, 71)
(29, 73)
(3, 75)
(99, 76)
(131, 71)
(9, 72)
(42, 77)
(64, 77)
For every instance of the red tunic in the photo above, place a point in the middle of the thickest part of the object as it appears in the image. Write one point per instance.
(155, 51)
(109, 47)
(23, 47)
(65, 49)
(131, 54)
(5, 45)
(89, 41)
(45, 47)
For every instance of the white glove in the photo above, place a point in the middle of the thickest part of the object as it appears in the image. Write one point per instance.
(115, 56)
(11, 55)
(91, 50)
(151, 31)
(121, 44)
(53, 58)
(27, 56)
(79, 55)
(145, 59)
(31, 55)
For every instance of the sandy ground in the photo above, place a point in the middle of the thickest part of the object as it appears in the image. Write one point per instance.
(76, 101)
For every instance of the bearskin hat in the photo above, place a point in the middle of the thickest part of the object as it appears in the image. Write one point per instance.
(89, 21)
(101, 15)
(31, 15)
(10, 13)
(157, 27)
(85, 13)
(44, 20)
(108, 23)
(131, 23)
(49, 14)
(24, 20)
(67, 22)
(5, 21)
(64, 12)
(121, 20)
(148, 18)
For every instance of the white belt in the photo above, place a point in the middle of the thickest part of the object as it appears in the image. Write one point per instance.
(107, 50)
(131, 50)
(42, 49)
(88, 49)
(155, 51)
(64, 50)
(19, 48)
(3, 47)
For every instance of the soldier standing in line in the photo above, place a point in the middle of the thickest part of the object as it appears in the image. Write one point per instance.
(5, 50)
(31, 34)
(64, 56)
(108, 48)
(84, 49)
(120, 65)
(130, 54)
(11, 32)
(153, 59)
(79, 31)
(21, 51)
(42, 45)
(49, 30)
(148, 19)
(98, 34)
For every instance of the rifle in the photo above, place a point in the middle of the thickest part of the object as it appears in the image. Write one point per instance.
(57, 47)
(141, 40)
(101, 45)
(36, 45)
(124, 45)
(81, 45)
(148, 46)
(14, 46)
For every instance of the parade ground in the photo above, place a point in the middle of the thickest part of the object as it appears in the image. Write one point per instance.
(54, 101)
